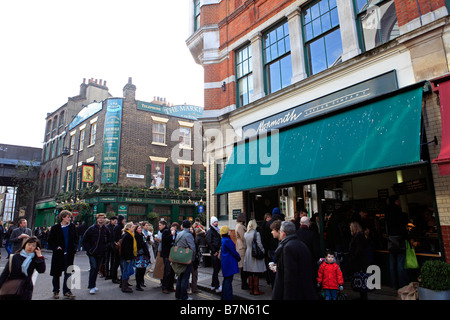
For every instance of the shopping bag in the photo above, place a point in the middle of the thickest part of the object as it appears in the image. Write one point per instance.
(12, 288)
(158, 272)
(410, 259)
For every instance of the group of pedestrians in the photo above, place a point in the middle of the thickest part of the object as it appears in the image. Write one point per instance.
(292, 259)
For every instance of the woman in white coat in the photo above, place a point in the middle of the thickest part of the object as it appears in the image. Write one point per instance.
(252, 266)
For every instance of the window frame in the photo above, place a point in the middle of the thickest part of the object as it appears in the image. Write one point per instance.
(159, 133)
(280, 57)
(222, 199)
(247, 77)
(182, 177)
(197, 13)
(93, 133)
(307, 41)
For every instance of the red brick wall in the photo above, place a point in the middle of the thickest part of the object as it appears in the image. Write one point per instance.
(446, 239)
(407, 10)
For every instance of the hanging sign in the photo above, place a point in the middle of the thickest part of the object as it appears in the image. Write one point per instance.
(87, 173)
(111, 141)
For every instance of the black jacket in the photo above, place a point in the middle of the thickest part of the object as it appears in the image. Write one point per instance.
(142, 248)
(126, 253)
(95, 240)
(213, 240)
(166, 242)
(37, 264)
(55, 240)
(293, 279)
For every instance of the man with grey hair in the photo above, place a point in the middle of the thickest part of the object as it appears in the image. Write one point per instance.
(312, 241)
(293, 279)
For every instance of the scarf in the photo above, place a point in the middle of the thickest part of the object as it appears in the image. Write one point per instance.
(27, 261)
(216, 228)
(134, 244)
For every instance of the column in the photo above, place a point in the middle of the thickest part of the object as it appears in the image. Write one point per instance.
(349, 35)
(258, 67)
(297, 48)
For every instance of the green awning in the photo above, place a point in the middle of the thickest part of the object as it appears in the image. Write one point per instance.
(381, 134)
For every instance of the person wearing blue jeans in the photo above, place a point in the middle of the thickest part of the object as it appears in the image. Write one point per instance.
(185, 239)
(95, 240)
(183, 284)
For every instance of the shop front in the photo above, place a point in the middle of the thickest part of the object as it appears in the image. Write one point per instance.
(45, 214)
(338, 156)
(143, 209)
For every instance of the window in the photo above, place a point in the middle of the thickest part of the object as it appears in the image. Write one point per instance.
(159, 132)
(72, 144)
(82, 137)
(244, 75)
(54, 183)
(377, 22)
(222, 200)
(157, 174)
(277, 56)
(185, 137)
(53, 149)
(61, 118)
(196, 15)
(184, 177)
(322, 35)
(93, 133)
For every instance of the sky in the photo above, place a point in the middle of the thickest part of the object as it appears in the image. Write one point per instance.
(47, 47)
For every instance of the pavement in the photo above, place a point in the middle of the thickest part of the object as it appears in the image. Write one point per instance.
(205, 276)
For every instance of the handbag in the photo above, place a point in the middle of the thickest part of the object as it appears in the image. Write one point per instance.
(180, 255)
(410, 257)
(256, 250)
(359, 282)
(12, 288)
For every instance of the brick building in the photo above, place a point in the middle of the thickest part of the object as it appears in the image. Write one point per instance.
(122, 156)
(330, 105)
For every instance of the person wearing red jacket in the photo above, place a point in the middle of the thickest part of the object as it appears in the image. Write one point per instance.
(330, 277)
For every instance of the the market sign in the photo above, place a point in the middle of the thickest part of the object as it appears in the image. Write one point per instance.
(182, 111)
(338, 100)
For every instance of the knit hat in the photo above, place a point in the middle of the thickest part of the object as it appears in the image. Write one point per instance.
(213, 219)
(224, 230)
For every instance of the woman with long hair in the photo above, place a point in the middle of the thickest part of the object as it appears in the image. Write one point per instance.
(252, 266)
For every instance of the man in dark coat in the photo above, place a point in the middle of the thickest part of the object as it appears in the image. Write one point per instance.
(293, 279)
(214, 242)
(312, 241)
(271, 243)
(95, 240)
(63, 240)
(167, 237)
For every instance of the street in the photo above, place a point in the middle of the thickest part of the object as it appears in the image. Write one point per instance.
(107, 290)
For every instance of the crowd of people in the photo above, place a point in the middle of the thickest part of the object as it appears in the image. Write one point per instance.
(286, 253)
